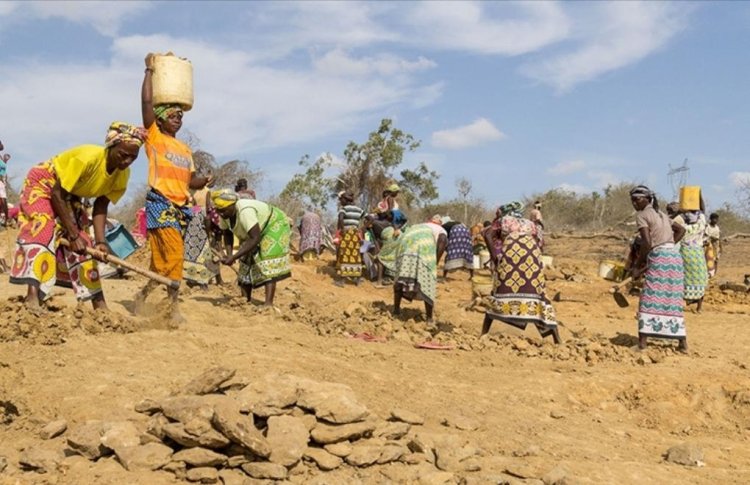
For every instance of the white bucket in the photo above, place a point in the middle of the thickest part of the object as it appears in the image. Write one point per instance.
(484, 258)
(611, 270)
(172, 81)
(476, 264)
(547, 261)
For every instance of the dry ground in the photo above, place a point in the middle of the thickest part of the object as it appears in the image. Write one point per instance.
(615, 412)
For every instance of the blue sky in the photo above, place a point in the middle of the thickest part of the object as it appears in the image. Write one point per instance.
(517, 97)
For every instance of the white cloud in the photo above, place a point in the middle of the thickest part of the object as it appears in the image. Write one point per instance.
(337, 62)
(241, 105)
(7, 7)
(474, 26)
(621, 34)
(567, 168)
(476, 133)
(603, 178)
(105, 17)
(739, 179)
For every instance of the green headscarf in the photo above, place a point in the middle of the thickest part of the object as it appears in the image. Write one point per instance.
(514, 209)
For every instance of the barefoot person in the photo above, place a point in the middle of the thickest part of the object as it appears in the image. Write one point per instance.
(171, 175)
(264, 234)
(660, 310)
(52, 196)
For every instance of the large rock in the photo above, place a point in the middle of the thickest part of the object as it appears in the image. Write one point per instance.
(156, 424)
(288, 437)
(232, 477)
(40, 460)
(53, 429)
(392, 452)
(340, 449)
(269, 394)
(147, 406)
(312, 394)
(208, 439)
(325, 461)
(330, 433)
(687, 454)
(391, 430)
(186, 408)
(86, 440)
(556, 476)
(364, 454)
(150, 456)
(209, 381)
(340, 408)
(120, 434)
(200, 457)
(202, 475)
(406, 416)
(265, 471)
(240, 428)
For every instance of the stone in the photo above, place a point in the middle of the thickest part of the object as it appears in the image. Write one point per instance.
(309, 420)
(354, 309)
(413, 458)
(237, 461)
(176, 467)
(392, 430)
(209, 381)
(329, 433)
(311, 394)
(198, 426)
(340, 408)
(240, 429)
(340, 449)
(232, 477)
(406, 416)
(150, 456)
(264, 470)
(156, 424)
(209, 439)
(272, 391)
(325, 460)
(287, 437)
(436, 478)
(86, 440)
(200, 457)
(53, 429)
(120, 434)
(556, 414)
(460, 422)
(556, 476)
(187, 408)
(40, 460)
(391, 452)
(364, 454)
(203, 474)
(686, 454)
(147, 406)
(3, 463)
(531, 450)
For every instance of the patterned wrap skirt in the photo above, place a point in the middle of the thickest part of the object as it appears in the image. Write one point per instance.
(311, 234)
(711, 251)
(696, 271)
(660, 310)
(39, 260)
(270, 261)
(166, 223)
(520, 297)
(416, 264)
(460, 251)
(349, 259)
(199, 266)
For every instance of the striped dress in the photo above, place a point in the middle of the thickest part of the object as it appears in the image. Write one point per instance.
(660, 311)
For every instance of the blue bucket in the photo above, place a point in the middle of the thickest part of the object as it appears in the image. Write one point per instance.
(120, 241)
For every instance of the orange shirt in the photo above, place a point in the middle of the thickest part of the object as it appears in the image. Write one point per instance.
(170, 165)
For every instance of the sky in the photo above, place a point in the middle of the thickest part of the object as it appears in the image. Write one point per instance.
(517, 97)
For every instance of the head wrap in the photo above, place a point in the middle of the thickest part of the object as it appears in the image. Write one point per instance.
(673, 207)
(120, 132)
(162, 111)
(436, 219)
(393, 188)
(223, 198)
(514, 209)
(445, 219)
(641, 191)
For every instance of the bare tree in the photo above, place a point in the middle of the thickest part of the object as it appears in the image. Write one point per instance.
(463, 185)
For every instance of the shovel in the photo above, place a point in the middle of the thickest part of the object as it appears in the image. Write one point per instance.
(108, 258)
(219, 256)
(620, 299)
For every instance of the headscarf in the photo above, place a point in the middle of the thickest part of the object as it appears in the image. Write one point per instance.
(162, 111)
(514, 209)
(436, 219)
(223, 198)
(393, 188)
(445, 219)
(673, 208)
(642, 191)
(120, 132)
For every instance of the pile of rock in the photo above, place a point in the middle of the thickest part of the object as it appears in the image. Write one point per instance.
(276, 428)
(52, 326)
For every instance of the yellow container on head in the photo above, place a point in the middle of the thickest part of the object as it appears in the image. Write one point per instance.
(172, 81)
(690, 198)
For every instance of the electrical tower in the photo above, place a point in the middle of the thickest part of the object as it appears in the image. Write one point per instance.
(678, 177)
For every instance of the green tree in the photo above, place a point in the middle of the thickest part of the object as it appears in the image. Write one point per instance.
(311, 187)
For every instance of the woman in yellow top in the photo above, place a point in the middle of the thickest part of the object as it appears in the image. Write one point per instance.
(51, 207)
(171, 175)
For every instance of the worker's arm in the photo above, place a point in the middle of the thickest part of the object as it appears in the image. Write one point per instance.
(197, 182)
(101, 205)
(442, 243)
(147, 97)
(67, 218)
(252, 242)
(678, 232)
(640, 263)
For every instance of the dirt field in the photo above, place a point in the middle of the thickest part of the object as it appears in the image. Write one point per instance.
(594, 407)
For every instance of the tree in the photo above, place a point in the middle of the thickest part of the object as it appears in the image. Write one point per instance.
(367, 169)
(463, 186)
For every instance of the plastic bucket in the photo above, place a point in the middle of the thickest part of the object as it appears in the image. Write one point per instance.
(481, 285)
(120, 241)
(484, 258)
(172, 81)
(690, 198)
(612, 270)
(547, 261)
